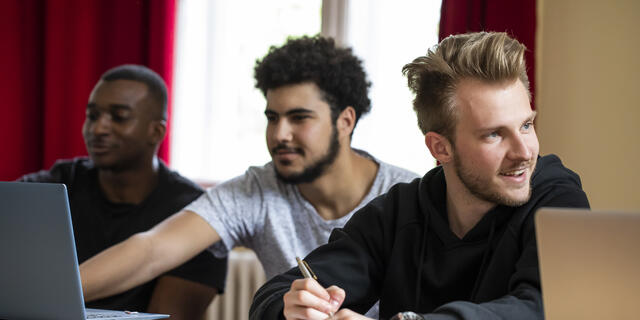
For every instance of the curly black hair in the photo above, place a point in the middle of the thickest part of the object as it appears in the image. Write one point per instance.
(336, 71)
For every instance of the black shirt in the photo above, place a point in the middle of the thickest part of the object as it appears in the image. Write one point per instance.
(99, 224)
(399, 249)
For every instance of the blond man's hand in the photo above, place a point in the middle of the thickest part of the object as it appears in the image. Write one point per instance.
(307, 299)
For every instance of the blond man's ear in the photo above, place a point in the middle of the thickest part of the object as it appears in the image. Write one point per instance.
(440, 147)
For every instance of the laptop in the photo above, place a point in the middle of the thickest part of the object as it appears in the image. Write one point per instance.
(39, 277)
(589, 263)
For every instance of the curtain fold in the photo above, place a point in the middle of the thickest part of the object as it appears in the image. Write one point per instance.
(54, 53)
(517, 18)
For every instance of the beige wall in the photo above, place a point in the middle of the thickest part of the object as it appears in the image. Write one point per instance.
(588, 94)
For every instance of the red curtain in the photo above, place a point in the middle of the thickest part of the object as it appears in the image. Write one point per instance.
(54, 53)
(517, 18)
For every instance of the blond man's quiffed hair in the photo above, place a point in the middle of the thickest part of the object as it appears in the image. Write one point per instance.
(433, 78)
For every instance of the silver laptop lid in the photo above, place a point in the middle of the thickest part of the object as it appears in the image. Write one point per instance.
(589, 263)
(39, 277)
(38, 266)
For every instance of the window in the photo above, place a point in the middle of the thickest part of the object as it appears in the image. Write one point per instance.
(218, 122)
(387, 35)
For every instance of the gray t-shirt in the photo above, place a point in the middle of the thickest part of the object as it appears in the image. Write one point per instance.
(258, 211)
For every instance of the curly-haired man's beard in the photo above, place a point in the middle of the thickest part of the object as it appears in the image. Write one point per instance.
(317, 168)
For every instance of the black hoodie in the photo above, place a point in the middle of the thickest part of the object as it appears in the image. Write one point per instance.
(399, 249)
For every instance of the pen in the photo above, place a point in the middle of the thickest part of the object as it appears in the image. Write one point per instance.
(305, 269)
(308, 273)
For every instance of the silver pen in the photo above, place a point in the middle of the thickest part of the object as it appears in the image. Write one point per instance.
(308, 273)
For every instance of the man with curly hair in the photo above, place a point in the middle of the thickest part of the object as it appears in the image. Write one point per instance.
(316, 93)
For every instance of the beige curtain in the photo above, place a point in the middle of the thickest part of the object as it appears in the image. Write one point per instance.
(244, 276)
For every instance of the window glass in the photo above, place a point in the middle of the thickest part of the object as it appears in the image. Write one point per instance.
(387, 35)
